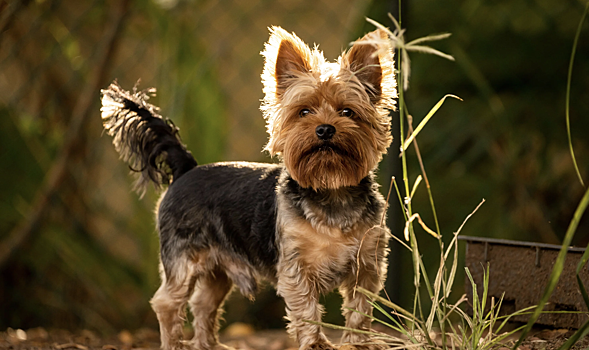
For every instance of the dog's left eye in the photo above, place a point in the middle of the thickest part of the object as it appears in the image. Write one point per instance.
(346, 112)
(304, 112)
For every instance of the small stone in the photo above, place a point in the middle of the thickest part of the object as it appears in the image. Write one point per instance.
(239, 329)
(126, 337)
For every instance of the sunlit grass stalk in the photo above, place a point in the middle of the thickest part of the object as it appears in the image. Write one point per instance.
(418, 266)
(439, 278)
(438, 308)
(568, 93)
(406, 203)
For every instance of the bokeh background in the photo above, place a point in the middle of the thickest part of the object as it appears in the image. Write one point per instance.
(78, 249)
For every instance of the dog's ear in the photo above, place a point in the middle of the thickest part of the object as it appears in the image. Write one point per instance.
(286, 57)
(371, 61)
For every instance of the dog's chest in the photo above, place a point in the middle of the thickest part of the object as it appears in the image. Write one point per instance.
(325, 255)
(319, 233)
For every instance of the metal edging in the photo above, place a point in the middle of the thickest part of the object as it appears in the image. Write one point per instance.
(517, 243)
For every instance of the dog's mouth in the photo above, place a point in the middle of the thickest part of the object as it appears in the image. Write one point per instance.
(325, 149)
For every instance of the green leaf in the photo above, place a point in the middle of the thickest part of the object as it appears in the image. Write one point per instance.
(385, 302)
(426, 119)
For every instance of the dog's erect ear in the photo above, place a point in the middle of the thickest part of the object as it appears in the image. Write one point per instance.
(286, 57)
(290, 61)
(371, 61)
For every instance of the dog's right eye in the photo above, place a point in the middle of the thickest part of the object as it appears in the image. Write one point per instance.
(304, 112)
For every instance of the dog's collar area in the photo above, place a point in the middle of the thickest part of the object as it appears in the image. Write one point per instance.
(343, 207)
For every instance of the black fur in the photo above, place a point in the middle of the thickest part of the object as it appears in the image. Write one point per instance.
(231, 207)
(149, 143)
(341, 208)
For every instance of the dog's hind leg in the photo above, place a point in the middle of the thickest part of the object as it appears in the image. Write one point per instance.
(205, 303)
(169, 304)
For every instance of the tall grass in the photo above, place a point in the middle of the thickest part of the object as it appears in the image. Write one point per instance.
(559, 264)
(436, 327)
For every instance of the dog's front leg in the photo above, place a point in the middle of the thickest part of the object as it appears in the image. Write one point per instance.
(301, 296)
(371, 278)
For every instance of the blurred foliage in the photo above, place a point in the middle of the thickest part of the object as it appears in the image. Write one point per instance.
(507, 141)
(91, 259)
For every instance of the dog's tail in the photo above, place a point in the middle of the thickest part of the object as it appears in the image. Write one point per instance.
(149, 143)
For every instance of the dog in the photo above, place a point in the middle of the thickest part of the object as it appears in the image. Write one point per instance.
(309, 224)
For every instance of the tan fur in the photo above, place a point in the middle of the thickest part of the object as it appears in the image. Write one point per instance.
(296, 77)
(203, 280)
(314, 259)
(169, 302)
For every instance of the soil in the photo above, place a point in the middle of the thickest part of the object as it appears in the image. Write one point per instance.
(239, 336)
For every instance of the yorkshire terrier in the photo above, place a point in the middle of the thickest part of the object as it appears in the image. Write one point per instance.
(308, 225)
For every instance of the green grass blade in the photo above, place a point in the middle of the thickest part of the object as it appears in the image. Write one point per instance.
(475, 295)
(452, 276)
(485, 290)
(426, 119)
(580, 266)
(397, 327)
(454, 308)
(400, 328)
(568, 93)
(435, 298)
(401, 203)
(465, 318)
(426, 280)
(334, 326)
(385, 302)
(497, 340)
(558, 266)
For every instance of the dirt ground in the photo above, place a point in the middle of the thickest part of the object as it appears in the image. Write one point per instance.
(239, 336)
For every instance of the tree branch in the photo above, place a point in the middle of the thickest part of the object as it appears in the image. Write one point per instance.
(59, 170)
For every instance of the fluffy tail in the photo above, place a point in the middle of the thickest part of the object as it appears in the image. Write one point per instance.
(149, 143)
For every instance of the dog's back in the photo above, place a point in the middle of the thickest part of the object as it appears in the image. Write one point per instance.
(229, 207)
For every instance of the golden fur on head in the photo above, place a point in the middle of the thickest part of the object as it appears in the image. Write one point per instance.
(297, 79)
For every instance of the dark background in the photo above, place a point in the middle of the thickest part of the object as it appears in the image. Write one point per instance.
(78, 249)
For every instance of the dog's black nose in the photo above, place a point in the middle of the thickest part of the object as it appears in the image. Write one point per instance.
(325, 131)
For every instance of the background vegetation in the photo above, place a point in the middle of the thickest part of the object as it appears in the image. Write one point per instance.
(78, 249)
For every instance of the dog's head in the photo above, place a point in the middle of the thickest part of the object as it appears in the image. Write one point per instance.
(328, 121)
